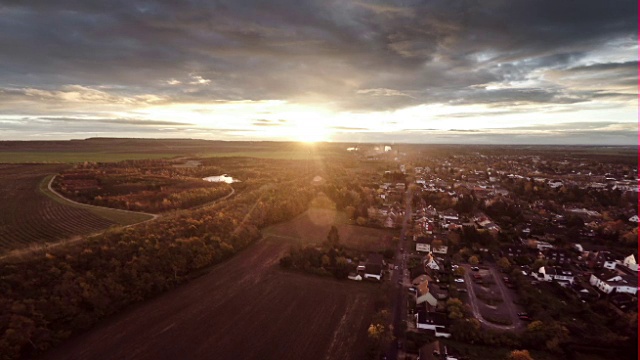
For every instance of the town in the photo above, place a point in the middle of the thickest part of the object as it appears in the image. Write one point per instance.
(492, 247)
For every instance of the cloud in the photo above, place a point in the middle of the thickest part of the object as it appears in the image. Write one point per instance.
(74, 58)
(137, 122)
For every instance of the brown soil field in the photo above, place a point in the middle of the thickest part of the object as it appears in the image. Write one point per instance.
(246, 308)
(313, 226)
(29, 217)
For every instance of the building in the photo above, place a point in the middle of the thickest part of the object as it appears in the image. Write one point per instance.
(609, 281)
(373, 267)
(548, 273)
(437, 322)
(423, 244)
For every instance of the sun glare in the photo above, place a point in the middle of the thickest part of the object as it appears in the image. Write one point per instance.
(310, 133)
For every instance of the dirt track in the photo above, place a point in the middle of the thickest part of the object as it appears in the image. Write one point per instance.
(245, 308)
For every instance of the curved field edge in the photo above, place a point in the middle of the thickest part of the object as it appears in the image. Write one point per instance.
(118, 216)
(47, 297)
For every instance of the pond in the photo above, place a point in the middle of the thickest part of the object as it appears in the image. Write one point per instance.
(222, 178)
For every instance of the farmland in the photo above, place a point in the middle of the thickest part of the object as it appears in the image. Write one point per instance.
(29, 217)
(32, 214)
(245, 308)
(312, 227)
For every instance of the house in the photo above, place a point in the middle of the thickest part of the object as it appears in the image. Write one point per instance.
(516, 251)
(420, 279)
(437, 322)
(609, 281)
(431, 263)
(434, 351)
(634, 219)
(563, 277)
(558, 256)
(354, 276)
(423, 244)
(606, 260)
(389, 223)
(449, 215)
(630, 263)
(548, 273)
(545, 273)
(373, 267)
(423, 295)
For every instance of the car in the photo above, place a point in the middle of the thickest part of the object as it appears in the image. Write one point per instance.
(475, 268)
(477, 276)
(462, 290)
(506, 279)
(459, 280)
(524, 318)
(523, 314)
(454, 266)
(395, 267)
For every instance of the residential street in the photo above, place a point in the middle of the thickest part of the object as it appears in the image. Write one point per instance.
(398, 306)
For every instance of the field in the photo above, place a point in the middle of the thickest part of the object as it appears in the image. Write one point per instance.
(313, 227)
(28, 216)
(282, 155)
(111, 150)
(12, 157)
(245, 308)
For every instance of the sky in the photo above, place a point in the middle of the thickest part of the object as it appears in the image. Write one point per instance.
(437, 71)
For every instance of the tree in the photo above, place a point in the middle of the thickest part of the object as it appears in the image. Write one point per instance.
(361, 221)
(473, 260)
(459, 271)
(333, 239)
(504, 264)
(350, 211)
(519, 355)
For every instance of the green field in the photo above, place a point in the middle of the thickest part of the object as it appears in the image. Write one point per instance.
(121, 217)
(281, 155)
(74, 157)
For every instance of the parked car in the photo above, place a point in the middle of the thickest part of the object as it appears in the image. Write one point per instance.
(475, 268)
(459, 280)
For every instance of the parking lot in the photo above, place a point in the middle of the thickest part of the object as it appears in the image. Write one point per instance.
(490, 298)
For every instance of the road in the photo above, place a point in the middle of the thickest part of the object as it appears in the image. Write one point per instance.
(399, 302)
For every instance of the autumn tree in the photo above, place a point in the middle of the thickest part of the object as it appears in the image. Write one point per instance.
(504, 264)
(473, 260)
(519, 355)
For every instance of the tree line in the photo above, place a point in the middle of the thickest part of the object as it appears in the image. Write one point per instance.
(46, 298)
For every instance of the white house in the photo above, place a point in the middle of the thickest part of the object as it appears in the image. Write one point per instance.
(355, 276)
(547, 273)
(608, 281)
(630, 263)
(634, 219)
(431, 263)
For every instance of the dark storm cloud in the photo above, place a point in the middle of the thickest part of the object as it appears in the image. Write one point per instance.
(358, 56)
